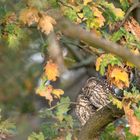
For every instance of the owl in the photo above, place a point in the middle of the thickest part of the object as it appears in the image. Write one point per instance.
(94, 95)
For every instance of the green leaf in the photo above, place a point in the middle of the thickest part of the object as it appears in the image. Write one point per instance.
(69, 120)
(118, 35)
(69, 136)
(50, 130)
(71, 14)
(7, 127)
(124, 4)
(2, 11)
(109, 59)
(137, 112)
(62, 108)
(116, 13)
(35, 136)
(87, 12)
(15, 35)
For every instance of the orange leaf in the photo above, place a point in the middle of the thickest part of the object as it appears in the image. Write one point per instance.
(132, 120)
(51, 70)
(29, 16)
(118, 76)
(58, 92)
(46, 92)
(46, 24)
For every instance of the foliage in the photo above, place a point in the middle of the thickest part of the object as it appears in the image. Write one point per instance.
(7, 128)
(61, 124)
(99, 17)
(35, 136)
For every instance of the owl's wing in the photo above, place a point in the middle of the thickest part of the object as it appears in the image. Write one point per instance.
(84, 109)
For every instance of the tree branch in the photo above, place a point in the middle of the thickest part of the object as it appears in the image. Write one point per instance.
(74, 31)
(98, 121)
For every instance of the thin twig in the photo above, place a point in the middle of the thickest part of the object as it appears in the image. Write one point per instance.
(134, 6)
(74, 103)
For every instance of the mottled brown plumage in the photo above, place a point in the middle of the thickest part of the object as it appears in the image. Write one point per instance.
(94, 95)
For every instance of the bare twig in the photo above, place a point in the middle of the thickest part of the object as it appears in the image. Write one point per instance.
(134, 6)
(85, 62)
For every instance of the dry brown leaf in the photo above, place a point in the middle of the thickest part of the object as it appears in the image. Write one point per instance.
(133, 26)
(11, 18)
(46, 23)
(29, 16)
(132, 120)
(118, 76)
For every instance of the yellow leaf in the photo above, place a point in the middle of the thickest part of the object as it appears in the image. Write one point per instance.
(86, 2)
(98, 62)
(119, 13)
(136, 52)
(29, 16)
(51, 70)
(118, 76)
(99, 19)
(46, 23)
(116, 11)
(58, 92)
(117, 102)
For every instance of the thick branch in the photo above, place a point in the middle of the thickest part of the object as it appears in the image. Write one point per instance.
(76, 32)
(98, 121)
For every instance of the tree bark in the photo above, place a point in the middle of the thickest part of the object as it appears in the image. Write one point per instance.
(98, 121)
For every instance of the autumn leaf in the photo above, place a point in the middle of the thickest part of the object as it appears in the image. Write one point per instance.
(136, 52)
(45, 92)
(134, 96)
(51, 71)
(99, 19)
(46, 23)
(133, 121)
(87, 1)
(104, 60)
(116, 102)
(57, 92)
(118, 76)
(29, 16)
(98, 62)
(117, 12)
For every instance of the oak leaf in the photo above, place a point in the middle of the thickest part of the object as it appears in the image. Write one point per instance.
(45, 92)
(116, 102)
(57, 92)
(118, 76)
(86, 2)
(133, 121)
(29, 16)
(51, 71)
(98, 62)
(136, 52)
(46, 23)
(99, 20)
